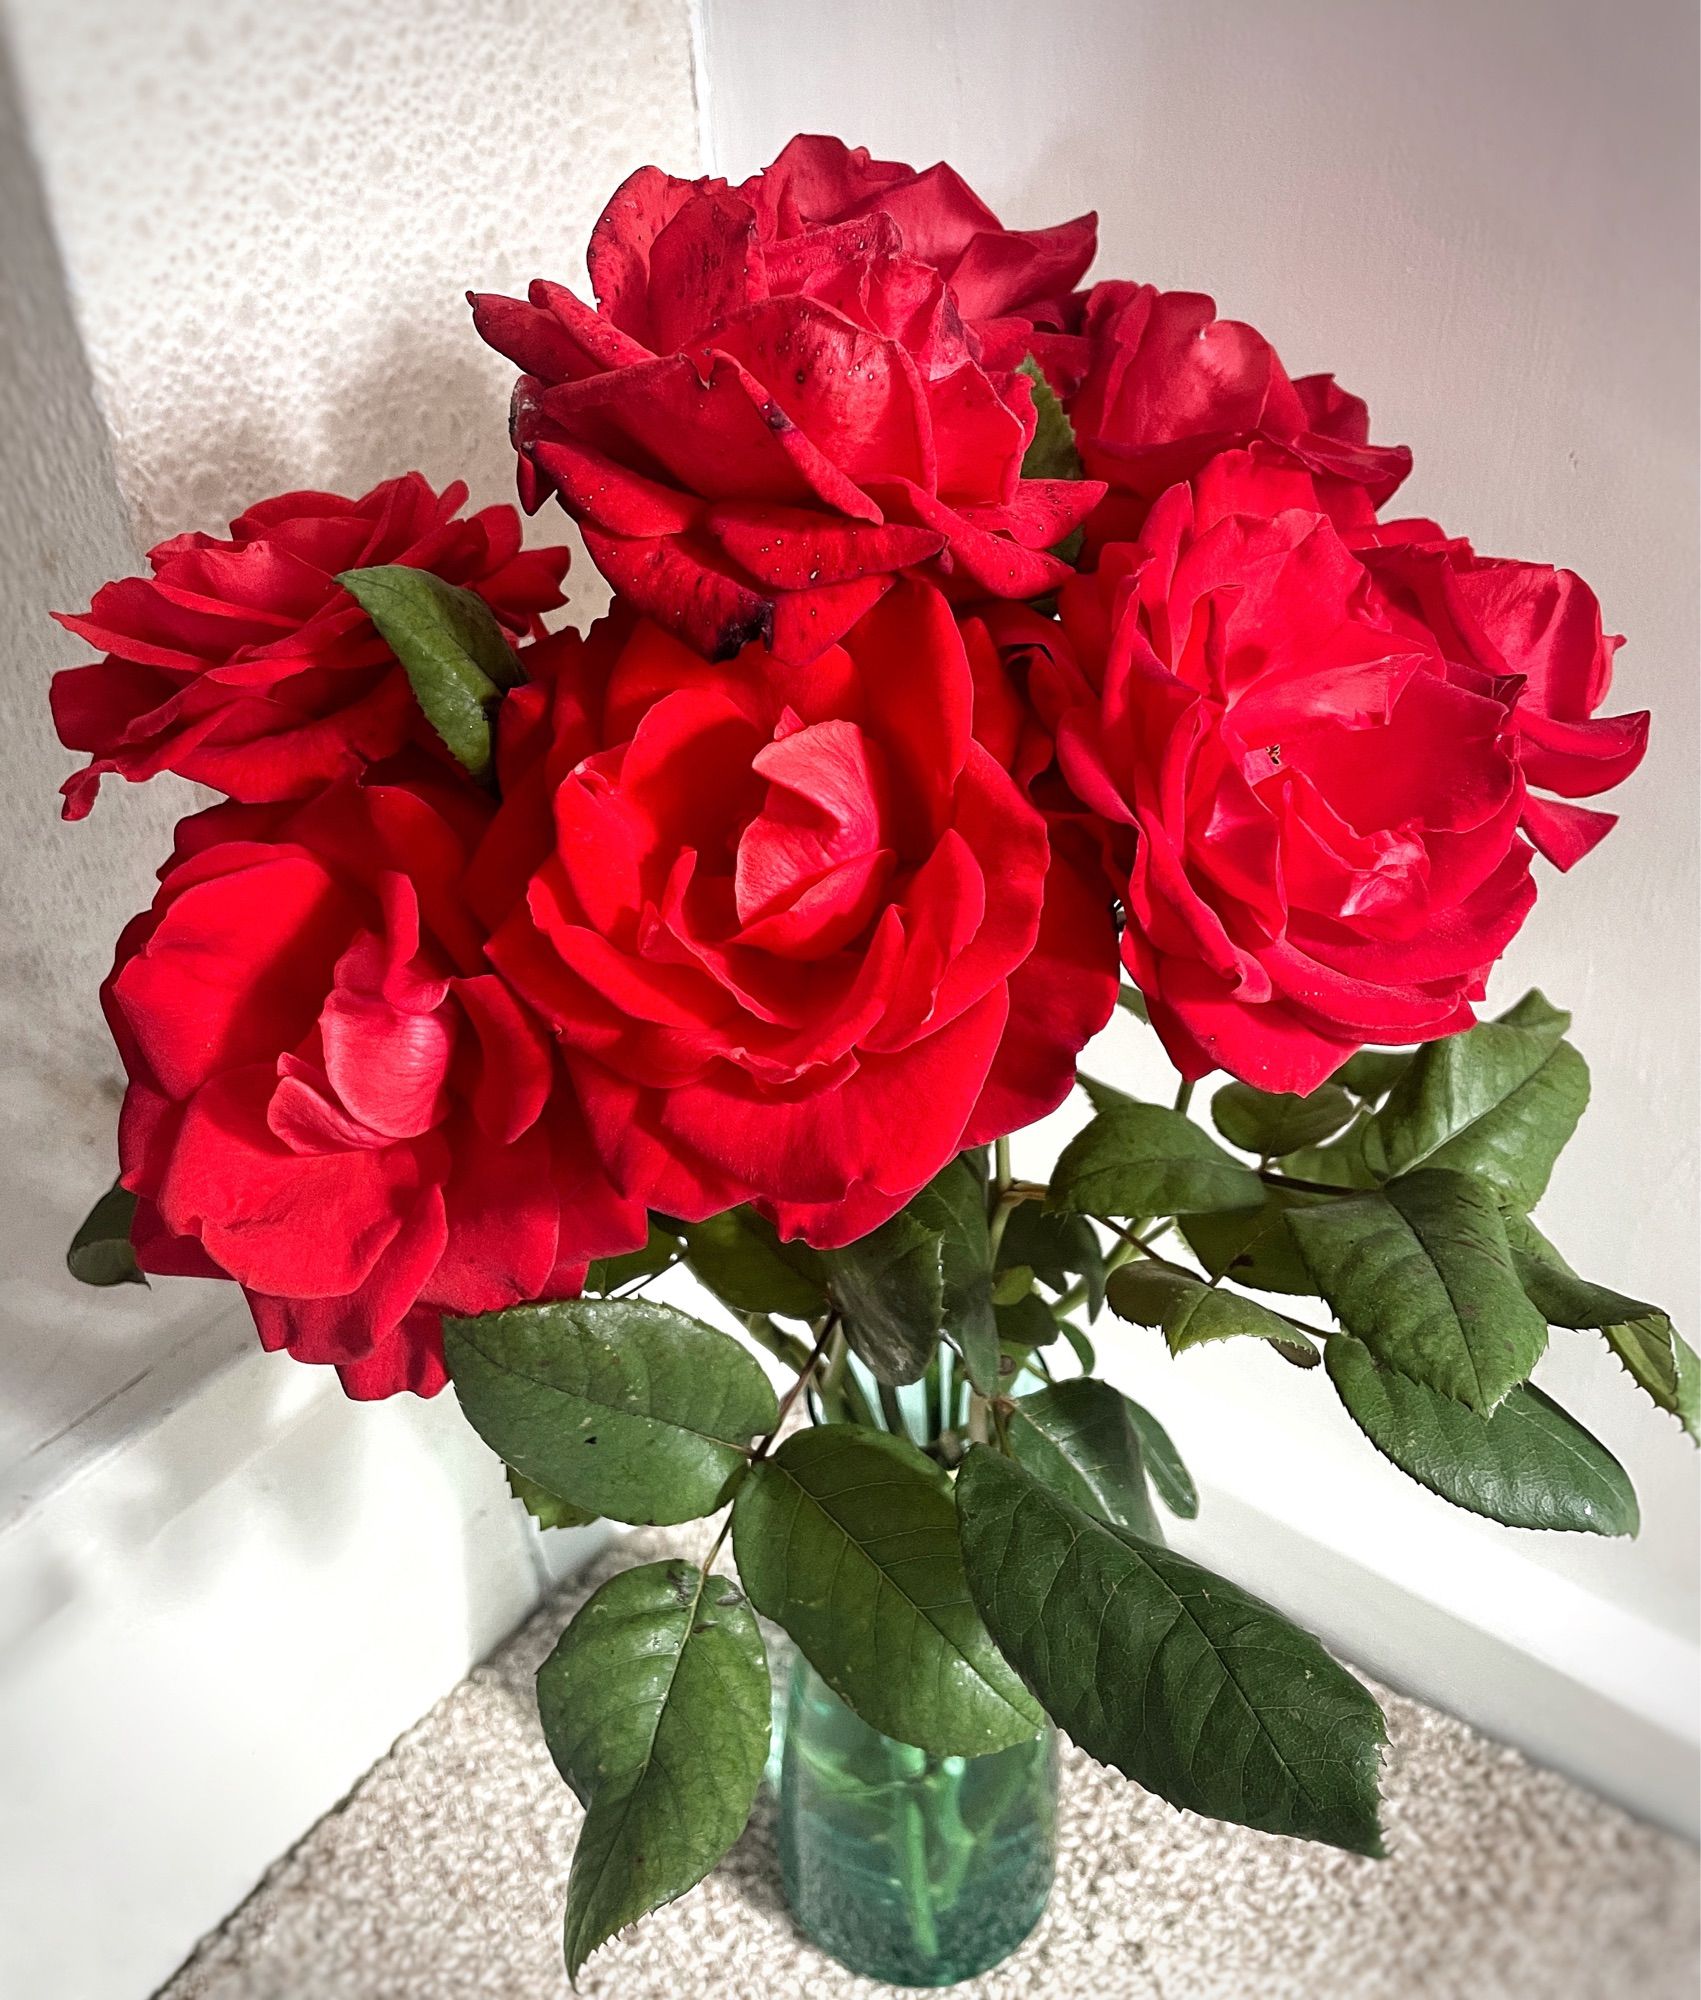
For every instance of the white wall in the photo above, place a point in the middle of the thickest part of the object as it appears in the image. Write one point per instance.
(1483, 218)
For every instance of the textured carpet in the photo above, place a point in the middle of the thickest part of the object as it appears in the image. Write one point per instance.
(443, 1875)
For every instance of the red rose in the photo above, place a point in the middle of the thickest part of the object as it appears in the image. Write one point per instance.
(779, 406)
(1543, 626)
(333, 1099)
(1313, 810)
(244, 665)
(1167, 385)
(1006, 282)
(798, 931)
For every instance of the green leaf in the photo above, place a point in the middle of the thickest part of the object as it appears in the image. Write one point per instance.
(778, 1340)
(1662, 1364)
(1013, 1284)
(1080, 1344)
(1270, 1122)
(953, 1206)
(1528, 1464)
(1190, 1312)
(1165, 1468)
(1079, 1439)
(451, 645)
(1023, 1326)
(890, 1287)
(100, 1252)
(1655, 1356)
(1181, 1680)
(1140, 1160)
(655, 1706)
(1556, 1291)
(1052, 454)
(1498, 1101)
(1341, 1163)
(654, 1255)
(1103, 1096)
(1132, 1001)
(741, 1259)
(1253, 1246)
(622, 1407)
(547, 1509)
(1421, 1272)
(846, 1537)
(1372, 1073)
(1055, 1248)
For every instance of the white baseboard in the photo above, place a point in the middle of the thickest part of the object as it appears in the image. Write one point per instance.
(213, 1628)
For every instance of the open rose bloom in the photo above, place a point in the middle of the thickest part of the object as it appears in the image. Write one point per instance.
(985, 648)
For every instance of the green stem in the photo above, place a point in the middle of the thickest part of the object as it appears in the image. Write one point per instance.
(917, 1889)
(892, 1410)
(1002, 1200)
(979, 1426)
(1184, 1096)
(1272, 1179)
(829, 1326)
(957, 1839)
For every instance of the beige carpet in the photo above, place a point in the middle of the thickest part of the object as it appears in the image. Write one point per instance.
(442, 1878)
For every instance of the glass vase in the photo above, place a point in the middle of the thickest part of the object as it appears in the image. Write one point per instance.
(914, 1869)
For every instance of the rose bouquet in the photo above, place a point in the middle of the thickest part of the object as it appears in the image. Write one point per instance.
(985, 653)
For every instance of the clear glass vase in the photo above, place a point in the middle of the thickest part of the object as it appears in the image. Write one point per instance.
(913, 1869)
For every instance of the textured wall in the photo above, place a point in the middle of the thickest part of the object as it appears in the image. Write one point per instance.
(1484, 219)
(270, 214)
(266, 216)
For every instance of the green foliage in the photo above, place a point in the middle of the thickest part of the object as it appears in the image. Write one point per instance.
(1271, 1123)
(1372, 1073)
(1190, 1312)
(1662, 1364)
(954, 1619)
(100, 1252)
(451, 646)
(1655, 1356)
(1253, 1246)
(1103, 1096)
(621, 1407)
(1025, 1324)
(655, 1706)
(953, 1206)
(1171, 1480)
(654, 1255)
(1421, 1272)
(1178, 1678)
(1140, 1160)
(1342, 1163)
(1053, 453)
(1497, 1102)
(741, 1259)
(1078, 1438)
(890, 1288)
(1528, 1464)
(846, 1537)
(547, 1509)
(1556, 1291)
(1056, 1248)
